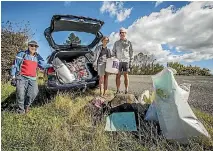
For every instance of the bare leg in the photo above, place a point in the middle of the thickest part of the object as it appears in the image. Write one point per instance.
(126, 81)
(100, 83)
(118, 81)
(105, 82)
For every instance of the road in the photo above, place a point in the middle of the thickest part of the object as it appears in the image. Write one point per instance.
(201, 90)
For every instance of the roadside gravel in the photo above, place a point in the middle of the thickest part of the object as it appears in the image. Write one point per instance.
(201, 90)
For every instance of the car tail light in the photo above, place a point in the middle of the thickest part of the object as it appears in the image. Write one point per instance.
(50, 70)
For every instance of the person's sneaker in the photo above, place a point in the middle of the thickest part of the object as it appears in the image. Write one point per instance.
(126, 92)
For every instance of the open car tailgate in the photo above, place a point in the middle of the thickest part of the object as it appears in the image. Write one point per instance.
(73, 23)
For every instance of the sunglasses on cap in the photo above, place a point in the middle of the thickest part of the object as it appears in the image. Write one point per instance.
(33, 46)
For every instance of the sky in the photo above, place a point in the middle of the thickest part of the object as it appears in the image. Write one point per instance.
(172, 31)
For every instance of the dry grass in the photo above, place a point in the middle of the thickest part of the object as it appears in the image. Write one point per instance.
(64, 124)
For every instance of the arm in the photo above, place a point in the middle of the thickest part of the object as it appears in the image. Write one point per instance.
(109, 53)
(131, 53)
(95, 54)
(42, 63)
(114, 50)
(14, 68)
(16, 63)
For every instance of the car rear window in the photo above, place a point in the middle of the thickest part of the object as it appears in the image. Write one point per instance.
(68, 37)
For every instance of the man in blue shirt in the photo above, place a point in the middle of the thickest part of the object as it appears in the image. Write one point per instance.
(23, 75)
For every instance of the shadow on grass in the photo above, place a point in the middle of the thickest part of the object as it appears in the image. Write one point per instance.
(43, 97)
(9, 103)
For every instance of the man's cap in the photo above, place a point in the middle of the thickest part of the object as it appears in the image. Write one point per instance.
(123, 30)
(33, 43)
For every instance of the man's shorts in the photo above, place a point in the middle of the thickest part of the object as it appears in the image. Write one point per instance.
(101, 69)
(123, 67)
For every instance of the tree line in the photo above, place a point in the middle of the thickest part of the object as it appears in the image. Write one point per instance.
(146, 65)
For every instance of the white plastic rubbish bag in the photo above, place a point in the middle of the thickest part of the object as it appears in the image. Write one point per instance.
(176, 118)
(63, 73)
(112, 65)
(151, 114)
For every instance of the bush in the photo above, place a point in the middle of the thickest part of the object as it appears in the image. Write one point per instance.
(14, 38)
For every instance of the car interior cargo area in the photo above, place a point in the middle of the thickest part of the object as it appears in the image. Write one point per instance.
(71, 67)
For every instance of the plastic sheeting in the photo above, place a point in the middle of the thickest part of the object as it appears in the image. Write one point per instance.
(62, 72)
(171, 109)
(151, 114)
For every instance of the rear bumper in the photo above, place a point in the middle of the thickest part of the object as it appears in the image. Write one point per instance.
(75, 86)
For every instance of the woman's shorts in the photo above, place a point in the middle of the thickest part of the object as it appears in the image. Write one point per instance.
(101, 69)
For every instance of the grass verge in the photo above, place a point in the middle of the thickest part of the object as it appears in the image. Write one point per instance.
(63, 125)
